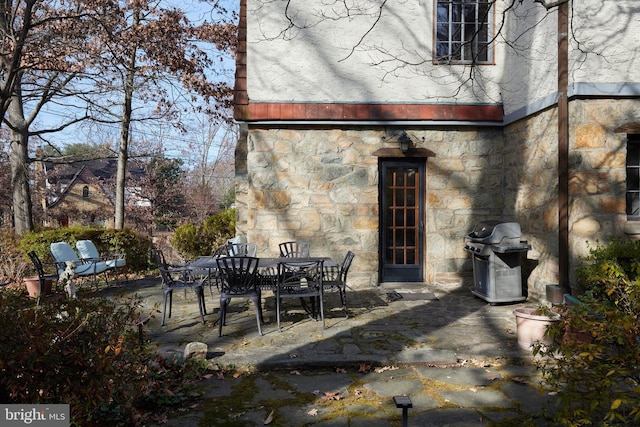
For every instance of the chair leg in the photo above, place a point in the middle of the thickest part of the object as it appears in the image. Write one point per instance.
(222, 318)
(164, 304)
(343, 300)
(200, 296)
(256, 302)
(320, 298)
(278, 303)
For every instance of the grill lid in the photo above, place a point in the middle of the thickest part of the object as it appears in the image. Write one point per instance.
(493, 231)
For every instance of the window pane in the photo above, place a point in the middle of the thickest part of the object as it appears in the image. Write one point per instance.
(463, 31)
(411, 178)
(633, 154)
(633, 180)
(411, 257)
(411, 218)
(443, 32)
(633, 204)
(442, 51)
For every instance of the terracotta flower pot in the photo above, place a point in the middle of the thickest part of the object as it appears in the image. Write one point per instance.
(33, 286)
(532, 326)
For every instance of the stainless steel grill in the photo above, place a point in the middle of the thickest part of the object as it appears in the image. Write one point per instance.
(497, 254)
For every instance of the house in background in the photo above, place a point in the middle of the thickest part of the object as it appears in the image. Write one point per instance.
(393, 130)
(82, 193)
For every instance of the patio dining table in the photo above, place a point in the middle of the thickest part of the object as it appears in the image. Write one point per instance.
(267, 267)
(208, 263)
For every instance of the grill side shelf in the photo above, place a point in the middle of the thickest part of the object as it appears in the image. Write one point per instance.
(503, 249)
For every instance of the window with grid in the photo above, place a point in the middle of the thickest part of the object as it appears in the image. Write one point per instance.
(463, 32)
(633, 177)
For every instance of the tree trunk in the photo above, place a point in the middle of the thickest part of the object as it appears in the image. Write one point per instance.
(125, 127)
(19, 160)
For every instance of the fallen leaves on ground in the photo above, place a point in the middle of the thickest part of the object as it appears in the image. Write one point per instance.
(382, 369)
(364, 368)
(313, 412)
(269, 418)
(332, 395)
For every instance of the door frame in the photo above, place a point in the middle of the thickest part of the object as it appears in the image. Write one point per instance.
(388, 273)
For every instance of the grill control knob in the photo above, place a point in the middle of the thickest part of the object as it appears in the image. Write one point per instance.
(478, 250)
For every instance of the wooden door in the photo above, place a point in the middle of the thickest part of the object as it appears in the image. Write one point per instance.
(401, 221)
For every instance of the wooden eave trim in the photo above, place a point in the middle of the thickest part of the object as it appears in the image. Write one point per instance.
(367, 112)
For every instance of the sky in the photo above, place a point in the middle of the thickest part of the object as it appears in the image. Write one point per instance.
(173, 139)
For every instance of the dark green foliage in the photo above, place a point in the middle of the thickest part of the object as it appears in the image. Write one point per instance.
(192, 241)
(87, 353)
(594, 361)
(108, 241)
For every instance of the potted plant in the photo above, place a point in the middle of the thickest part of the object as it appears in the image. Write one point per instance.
(16, 270)
(532, 325)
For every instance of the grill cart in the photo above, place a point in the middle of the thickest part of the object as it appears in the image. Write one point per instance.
(497, 255)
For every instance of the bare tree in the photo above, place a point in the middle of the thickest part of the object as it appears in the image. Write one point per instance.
(146, 51)
(77, 53)
(211, 151)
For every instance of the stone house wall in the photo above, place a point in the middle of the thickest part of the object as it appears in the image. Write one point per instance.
(597, 181)
(321, 185)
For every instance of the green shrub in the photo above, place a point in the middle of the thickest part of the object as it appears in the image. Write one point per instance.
(87, 353)
(594, 358)
(192, 241)
(108, 241)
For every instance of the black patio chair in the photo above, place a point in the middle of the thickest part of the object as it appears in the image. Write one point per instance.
(238, 279)
(177, 278)
(42, 275)
(294, 249)
(242, 249)
(301, 279)
(336, 278)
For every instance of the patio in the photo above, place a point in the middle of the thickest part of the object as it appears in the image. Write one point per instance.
(442, 324)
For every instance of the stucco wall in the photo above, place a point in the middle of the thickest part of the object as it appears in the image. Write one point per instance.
(334, 55)
(359, 60)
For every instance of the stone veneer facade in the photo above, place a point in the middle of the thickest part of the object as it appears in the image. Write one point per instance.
(321, 185)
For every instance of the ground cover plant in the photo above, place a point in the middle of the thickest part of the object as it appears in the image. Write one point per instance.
(87, 352)
(594, 360)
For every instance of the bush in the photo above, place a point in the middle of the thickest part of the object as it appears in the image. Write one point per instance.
(192, 242)
(87, 353)
(15, 265)
(108, 241)
(593, 360)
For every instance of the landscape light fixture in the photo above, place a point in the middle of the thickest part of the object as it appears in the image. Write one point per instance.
(403, 402)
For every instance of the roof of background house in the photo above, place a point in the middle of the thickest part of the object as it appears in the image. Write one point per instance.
(100, 170)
